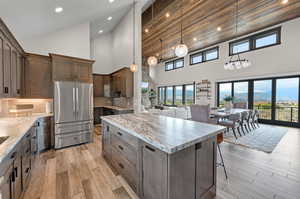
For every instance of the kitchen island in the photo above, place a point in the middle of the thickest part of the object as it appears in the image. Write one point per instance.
(162, 157)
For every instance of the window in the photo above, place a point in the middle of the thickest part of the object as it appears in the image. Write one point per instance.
(177, 95)
(257, 41)
(240, 92)
(175, 64)
(225, 90)
(161, 93)
(266, 40)
(204, 56)
(169, 95)
(189, 94)
(239, 47)
(276, 98)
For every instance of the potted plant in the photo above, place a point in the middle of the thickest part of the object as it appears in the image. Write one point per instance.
(152, 97)
(228, 103)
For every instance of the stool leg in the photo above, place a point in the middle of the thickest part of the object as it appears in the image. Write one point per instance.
(223, 165)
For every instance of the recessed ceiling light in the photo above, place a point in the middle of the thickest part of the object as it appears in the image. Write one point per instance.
(195, 38)
(58, 9)
(111, 1)
(146, 30)
(167, 14)
(284, 1)
(100, 31)
(219, 28)
(109, 18)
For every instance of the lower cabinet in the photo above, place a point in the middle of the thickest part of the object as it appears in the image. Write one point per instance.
(16, 167)
(189, 173)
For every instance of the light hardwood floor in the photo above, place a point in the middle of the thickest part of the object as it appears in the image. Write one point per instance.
(81, 173)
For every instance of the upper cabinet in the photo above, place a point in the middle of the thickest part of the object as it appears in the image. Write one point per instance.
(66, 68)
(11, 64)
(122, 83)
(38, 77)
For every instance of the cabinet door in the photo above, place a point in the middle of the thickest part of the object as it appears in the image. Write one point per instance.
(1, 65)
(98, 81)
(84, 72)
(13, 74)
(129, 83)
(17, 185)
(155, 171)
(38, 79)
(64, 71)
(106, 145)
(20, 62)
(205, 167)
(7, 69)
(6, 185)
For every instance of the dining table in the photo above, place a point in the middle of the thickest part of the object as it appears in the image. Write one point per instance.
(222, 113)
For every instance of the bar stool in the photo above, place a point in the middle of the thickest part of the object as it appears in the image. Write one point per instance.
(220, 139)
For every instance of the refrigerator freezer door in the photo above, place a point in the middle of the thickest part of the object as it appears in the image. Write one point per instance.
(84, 101)
(64, 102)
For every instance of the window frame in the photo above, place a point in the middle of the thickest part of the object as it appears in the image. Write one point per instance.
(174, 64)
(203, 54)
(174, 90)
(252, 39)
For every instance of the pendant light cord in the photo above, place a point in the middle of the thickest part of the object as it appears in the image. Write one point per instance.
(181, 21)
(236, 16)
(133, 34)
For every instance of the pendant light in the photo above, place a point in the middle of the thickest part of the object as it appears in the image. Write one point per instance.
(152, 60)
(133, 66)
(181, 50)
(236, 63)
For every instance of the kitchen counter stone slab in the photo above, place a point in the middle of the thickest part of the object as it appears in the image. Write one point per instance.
(15, 128)
(165, 133)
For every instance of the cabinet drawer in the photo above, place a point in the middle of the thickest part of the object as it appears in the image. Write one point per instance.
(127, 138)
(127, 170)
(126, 150)
(72, 139)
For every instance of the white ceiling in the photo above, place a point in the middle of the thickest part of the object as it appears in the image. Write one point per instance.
(29, 18)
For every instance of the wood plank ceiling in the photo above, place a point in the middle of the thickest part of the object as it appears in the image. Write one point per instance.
(201, 18)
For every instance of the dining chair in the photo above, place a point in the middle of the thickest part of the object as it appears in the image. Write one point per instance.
(243, 122)
(242, 105)
(255, 118)
(201, 113)
(233, 121)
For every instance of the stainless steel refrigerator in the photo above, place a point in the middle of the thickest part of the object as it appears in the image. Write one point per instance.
(73, 113)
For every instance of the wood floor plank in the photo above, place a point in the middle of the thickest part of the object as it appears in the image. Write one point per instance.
(252, 174)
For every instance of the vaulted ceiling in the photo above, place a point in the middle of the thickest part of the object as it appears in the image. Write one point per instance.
(201, 19)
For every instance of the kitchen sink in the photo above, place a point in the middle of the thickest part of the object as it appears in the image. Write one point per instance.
(2, 139)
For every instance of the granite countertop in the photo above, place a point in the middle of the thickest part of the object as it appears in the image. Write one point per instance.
(165, 133)
(114, 107)
(15, 128)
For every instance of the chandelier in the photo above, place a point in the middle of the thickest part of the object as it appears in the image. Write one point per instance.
(237, 63)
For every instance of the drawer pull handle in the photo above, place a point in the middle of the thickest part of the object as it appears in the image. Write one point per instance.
(16, 172)
(75, 138)
(28, 135)
(13, 155)
(5, 89)
(121, 166)
(120, 147)
(120, 134)
(27, 150)
(27, 170)
(107, 128)
(149, 148)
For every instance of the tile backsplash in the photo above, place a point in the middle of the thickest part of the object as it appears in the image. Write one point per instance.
(123, 102)
(39, 105)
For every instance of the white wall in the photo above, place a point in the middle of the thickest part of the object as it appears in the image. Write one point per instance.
(73, 41)
(113, 50)
(278, 60)
(101, 51)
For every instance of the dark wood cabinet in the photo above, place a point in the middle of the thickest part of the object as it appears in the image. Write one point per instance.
(11, 56)
(66, 68)
(122, 83)
(38, 77)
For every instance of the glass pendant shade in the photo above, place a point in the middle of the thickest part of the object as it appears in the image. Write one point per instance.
(152, 61)
(181, 50)
(237, 64)
(133, 68)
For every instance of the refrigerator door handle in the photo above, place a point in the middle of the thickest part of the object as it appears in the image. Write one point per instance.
(74, 104)
(77, 100)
